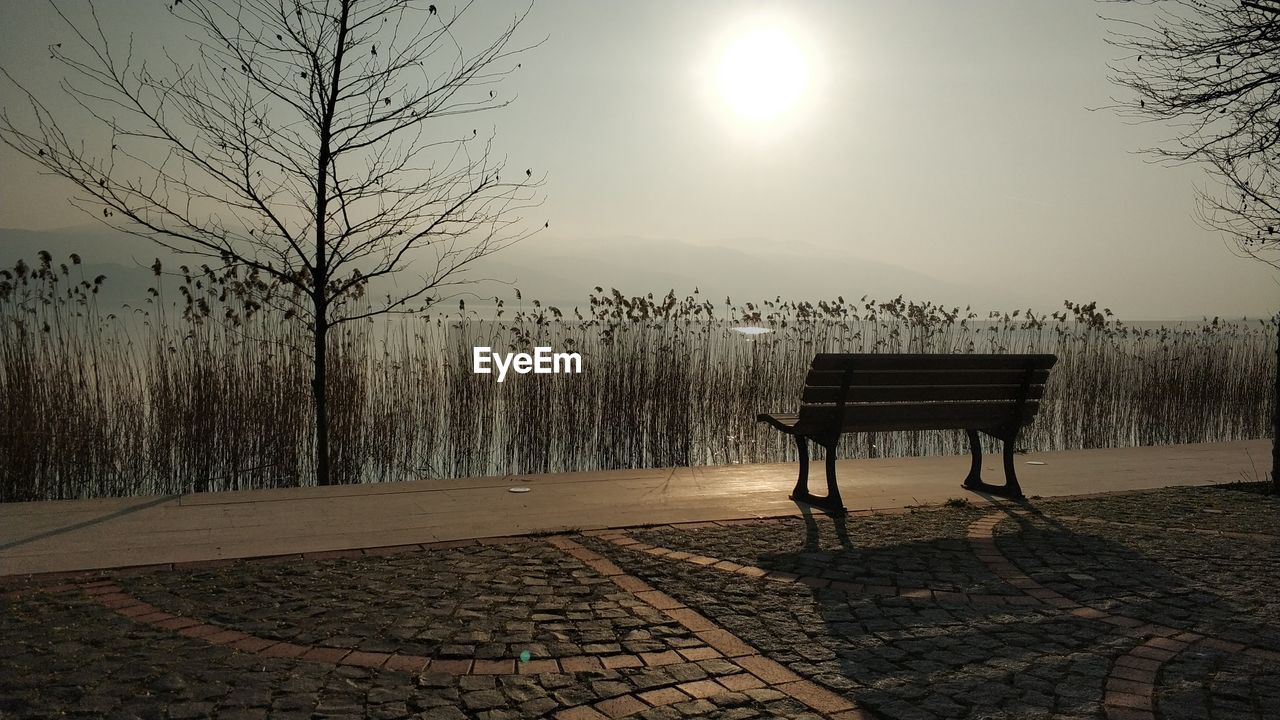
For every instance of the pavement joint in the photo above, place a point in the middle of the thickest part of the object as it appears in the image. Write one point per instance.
(727, 619)
(756, 670)
(722, 641)
(1131, 681)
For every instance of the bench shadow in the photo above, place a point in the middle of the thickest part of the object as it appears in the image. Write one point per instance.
(955, 654)
(811, 516)
(901, 655)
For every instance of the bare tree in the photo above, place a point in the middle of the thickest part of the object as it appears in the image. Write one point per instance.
(1210, 70)
(290, 137)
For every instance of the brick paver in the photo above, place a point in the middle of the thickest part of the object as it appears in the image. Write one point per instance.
(1064, 645)
(1158, 604)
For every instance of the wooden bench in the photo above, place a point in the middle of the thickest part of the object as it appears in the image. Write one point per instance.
(992, 394)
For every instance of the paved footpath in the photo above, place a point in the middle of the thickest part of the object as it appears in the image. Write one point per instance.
(73, 535)
(1152, 604)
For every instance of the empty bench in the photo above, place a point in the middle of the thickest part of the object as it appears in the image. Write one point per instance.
(996, 395)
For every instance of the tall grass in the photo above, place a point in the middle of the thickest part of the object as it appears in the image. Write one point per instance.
(201, 389)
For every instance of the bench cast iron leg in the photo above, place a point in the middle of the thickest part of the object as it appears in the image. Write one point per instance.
(1011, 488)
(833, 490)
(975, 468)
(831, 503)
(802, 482)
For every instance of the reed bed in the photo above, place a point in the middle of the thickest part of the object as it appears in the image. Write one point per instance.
(202, 389)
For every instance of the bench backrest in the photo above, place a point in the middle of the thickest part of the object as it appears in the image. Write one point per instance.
(861, 392)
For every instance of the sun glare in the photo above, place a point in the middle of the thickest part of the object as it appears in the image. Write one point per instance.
(762, 74)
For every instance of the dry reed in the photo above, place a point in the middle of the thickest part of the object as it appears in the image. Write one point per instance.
(207, 391)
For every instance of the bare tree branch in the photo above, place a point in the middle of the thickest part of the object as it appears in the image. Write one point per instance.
(1210, 70)
(293, 138)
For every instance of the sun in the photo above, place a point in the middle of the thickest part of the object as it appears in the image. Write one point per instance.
(762, 74)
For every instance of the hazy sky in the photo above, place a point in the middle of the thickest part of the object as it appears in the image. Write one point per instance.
(950, 139)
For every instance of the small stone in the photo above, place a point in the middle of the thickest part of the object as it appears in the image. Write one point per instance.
(472, 683)
(169, 682)
(190, 711)
(445, 712)
(538, 706)
(484, 700)
(436, 679)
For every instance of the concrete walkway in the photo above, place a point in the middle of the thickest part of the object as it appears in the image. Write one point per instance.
(74, 535)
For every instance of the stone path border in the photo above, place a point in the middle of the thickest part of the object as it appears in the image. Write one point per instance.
(734, 649)
(113, 597)
(758, 671)
(918, 594)
(1130, 685)
(1131, 682)
(981, 537)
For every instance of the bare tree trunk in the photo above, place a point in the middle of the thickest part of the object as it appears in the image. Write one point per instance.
(318, 388)
(1275, 418)
(320, 271)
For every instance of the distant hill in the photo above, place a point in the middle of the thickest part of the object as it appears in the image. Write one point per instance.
(124, 259)
(559, 271)
(564, 271)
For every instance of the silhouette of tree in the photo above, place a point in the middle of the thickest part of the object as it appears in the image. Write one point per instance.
(294, 141)
(1210, 70)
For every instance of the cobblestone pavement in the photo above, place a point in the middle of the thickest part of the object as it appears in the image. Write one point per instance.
(486, 602)
(913, 550)
(1160, 604)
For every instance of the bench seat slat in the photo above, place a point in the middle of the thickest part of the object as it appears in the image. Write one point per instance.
(913, 393)
(940, 361)
(916, 416)
(932, 378)
(819, 419)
